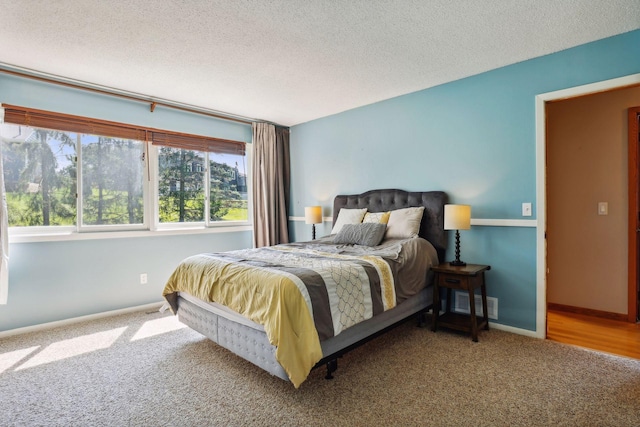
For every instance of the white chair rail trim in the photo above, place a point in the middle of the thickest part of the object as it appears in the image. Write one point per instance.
(476, 222)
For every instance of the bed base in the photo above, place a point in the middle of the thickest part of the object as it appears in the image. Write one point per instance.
(249, 341)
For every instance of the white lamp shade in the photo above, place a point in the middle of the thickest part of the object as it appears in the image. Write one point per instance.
(457, 217)
(313, 214)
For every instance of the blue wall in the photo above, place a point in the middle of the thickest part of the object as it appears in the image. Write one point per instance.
(50, 281)
(473, 138)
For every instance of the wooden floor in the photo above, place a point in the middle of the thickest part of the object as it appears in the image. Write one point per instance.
(609, 336)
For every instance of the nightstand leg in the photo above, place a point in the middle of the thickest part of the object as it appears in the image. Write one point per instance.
(485, 312)
(474, 320)
(436, 307)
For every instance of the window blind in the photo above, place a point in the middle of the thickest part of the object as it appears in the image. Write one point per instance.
(198, 143)
(70, 123)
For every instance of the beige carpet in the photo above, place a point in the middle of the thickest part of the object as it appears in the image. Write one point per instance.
(143, 369)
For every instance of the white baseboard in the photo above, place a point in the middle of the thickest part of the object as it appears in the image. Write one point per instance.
(157, 305)
(50, 325)
(518, 331)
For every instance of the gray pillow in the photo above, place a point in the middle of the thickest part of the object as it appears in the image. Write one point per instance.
(365, 234)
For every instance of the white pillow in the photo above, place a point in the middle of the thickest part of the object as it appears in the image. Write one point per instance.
(404, 223)
(348, 216)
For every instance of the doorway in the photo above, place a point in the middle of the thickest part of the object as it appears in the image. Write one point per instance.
(588, 203)
(541, 101)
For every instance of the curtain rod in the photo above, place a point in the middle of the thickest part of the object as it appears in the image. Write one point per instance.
(153, 102)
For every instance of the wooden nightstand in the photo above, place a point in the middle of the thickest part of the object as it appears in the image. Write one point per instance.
(466, 278)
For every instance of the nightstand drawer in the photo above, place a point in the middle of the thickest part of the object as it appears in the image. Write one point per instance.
(457, 281)
(453, 281)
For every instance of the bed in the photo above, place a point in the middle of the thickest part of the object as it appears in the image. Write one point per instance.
(269, 305)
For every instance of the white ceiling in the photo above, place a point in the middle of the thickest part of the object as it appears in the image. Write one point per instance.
(291, 61)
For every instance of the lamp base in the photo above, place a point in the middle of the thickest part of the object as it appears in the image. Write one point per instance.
(457, 262)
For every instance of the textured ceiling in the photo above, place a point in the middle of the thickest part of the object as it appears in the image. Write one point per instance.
(291, 61)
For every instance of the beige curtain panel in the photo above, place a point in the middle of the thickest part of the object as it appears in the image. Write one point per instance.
(270, 184)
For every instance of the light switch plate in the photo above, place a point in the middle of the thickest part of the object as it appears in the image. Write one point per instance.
(526, 209)
(603, 208)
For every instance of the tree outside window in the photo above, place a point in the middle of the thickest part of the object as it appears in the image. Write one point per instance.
(40, 176)
(112, 181)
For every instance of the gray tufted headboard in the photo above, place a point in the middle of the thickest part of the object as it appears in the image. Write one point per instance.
(432, 225)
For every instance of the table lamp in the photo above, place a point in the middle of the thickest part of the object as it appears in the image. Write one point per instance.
(313, 216)
(457, 217)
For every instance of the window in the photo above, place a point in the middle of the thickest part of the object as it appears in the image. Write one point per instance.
(228, 188)
(112, 173)
(184, 182)
(61, 175)
(40, 176)
(180, 185)
(201, 180)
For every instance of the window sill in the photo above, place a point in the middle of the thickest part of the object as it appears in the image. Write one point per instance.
(73, 235)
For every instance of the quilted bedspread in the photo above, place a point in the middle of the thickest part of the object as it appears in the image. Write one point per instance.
(301, 294)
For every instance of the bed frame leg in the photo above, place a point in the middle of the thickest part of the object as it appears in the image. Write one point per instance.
(332, 365)
(422, 319)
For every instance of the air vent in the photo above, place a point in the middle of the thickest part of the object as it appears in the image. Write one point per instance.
(461, 305)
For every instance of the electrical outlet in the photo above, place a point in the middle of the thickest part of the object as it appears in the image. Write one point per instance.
(143, 278)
